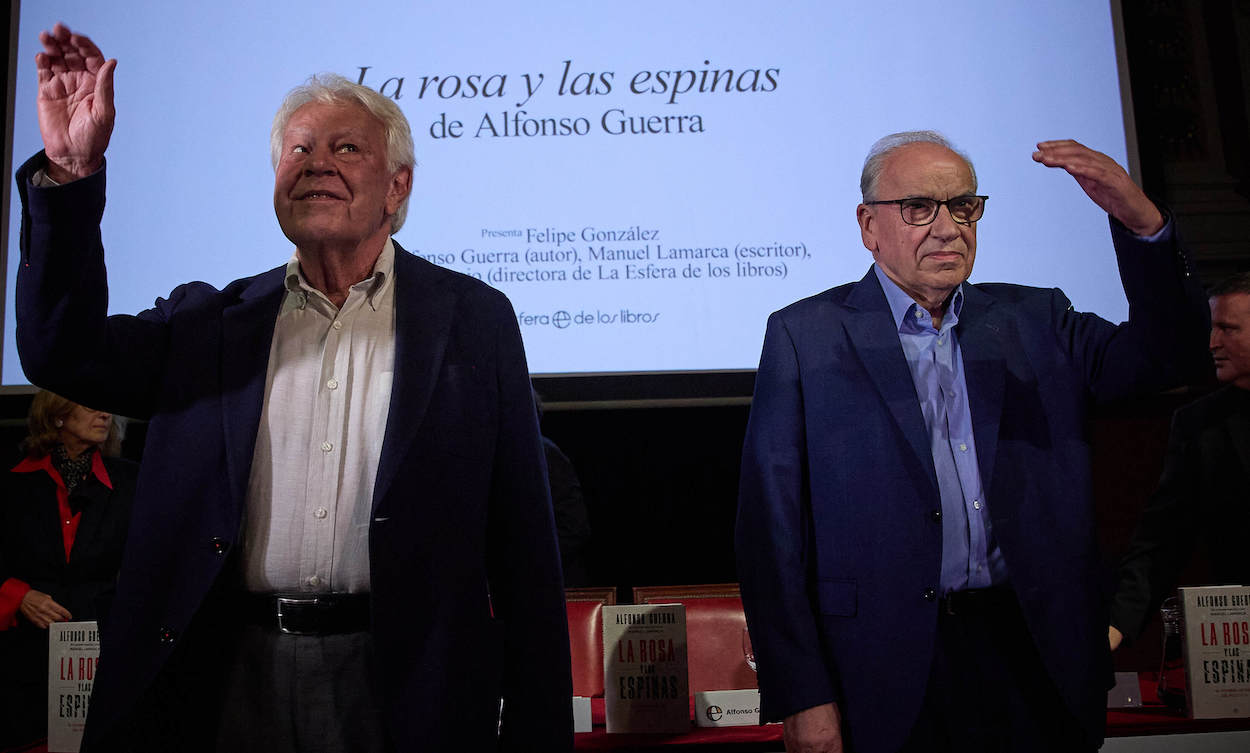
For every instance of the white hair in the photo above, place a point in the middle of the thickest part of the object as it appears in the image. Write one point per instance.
(332, 89)
(874, 163)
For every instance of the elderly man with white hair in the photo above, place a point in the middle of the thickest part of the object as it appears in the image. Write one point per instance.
(342, 535)
(916, 524)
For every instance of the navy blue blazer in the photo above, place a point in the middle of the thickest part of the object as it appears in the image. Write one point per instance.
(467, 600)
(838, 541)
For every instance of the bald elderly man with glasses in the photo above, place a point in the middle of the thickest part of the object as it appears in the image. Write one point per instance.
(915, 524)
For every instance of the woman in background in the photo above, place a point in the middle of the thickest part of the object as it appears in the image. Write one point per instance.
(64, 510)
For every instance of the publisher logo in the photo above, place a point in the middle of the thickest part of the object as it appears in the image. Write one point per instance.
(714, 713)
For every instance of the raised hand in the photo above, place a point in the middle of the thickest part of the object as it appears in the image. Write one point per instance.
(75, 103)
(1108, 184)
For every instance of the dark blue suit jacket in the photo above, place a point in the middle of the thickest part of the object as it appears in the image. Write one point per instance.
(839, 547)
(467, 600)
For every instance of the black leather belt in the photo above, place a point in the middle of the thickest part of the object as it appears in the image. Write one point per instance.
(308, 614)
(978, 600)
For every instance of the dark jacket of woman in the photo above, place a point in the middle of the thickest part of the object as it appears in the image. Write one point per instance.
(33, 554)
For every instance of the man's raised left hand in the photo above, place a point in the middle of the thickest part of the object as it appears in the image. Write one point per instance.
(1108, 184)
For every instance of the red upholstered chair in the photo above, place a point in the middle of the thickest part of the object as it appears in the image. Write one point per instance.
(714, 624)
(584, 607)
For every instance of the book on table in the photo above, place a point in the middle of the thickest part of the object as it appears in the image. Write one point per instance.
(1217, 650)
(645, 680)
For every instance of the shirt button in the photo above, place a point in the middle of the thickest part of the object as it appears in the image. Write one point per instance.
(326, 446)
(930, 594)
(936, 516)
(219, 545)
(314, 581)
(954, 393)
(332, 383)
(976, 504)
(320, 513)
(963, 447)
(337, 324)
(166, 635)
(66, 522)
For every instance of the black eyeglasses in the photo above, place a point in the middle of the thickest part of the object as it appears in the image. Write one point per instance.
(921, 210)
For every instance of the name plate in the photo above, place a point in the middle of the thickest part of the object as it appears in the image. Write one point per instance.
(581, 713)
(727, 708)
(1127, 692)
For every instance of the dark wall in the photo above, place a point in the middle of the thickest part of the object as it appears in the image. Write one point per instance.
(1189, 64)
(661, 487)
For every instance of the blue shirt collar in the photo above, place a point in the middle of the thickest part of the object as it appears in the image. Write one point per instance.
(903, 307)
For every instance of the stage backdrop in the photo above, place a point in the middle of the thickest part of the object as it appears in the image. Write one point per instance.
(646, 181)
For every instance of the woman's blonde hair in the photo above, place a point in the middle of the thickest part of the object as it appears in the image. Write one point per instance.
(45, 410)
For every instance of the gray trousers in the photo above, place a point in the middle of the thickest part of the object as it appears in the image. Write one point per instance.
(301, 694)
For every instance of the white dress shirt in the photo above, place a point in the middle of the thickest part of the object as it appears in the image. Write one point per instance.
(327, 392)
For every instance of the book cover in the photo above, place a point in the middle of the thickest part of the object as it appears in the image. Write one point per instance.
(73, 656)
(1217, 650)
(645, 677)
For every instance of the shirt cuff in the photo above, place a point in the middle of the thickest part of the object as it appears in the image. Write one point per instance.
(12, 591)
(1165, 232)
(41, 180)
(1164, 235)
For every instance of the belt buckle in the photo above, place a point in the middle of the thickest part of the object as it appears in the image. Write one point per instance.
(293, 601)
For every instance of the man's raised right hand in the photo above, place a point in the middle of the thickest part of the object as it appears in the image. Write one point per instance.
(75, 103)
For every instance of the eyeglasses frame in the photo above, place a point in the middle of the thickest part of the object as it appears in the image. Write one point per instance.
(940, 204)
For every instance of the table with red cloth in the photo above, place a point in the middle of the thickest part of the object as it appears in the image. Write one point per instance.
(1152, 718)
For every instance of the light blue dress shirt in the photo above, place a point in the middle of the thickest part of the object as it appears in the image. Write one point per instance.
(970, 557)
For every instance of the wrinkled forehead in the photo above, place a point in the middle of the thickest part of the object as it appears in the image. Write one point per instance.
(925, 169)
(324, 118)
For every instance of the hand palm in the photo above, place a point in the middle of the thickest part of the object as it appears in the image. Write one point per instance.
(75, 103)
(70, 119)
